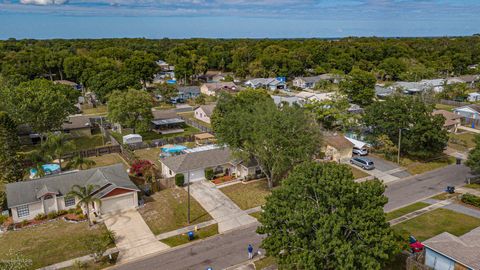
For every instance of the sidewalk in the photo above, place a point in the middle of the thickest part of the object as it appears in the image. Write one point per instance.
(469, 129)
(419, 212)
(228, 215)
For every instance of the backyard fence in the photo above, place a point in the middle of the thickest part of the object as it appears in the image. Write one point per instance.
(197, 125)
(95, 152)
(446, 102)
(160, 142)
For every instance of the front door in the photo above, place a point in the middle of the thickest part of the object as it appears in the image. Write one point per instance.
(49, 204)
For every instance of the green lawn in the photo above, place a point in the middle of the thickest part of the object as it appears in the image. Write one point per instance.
(418, 167)
(200, 234)
(444, 196)
(151, 154)
(99, 110)
(473, 186)
(249, 195)
(256, 214)
(150, 135)
(357, 174)
(167, 210)
(444, 107)
(265, 262)
(190, 115)
(462, 141)
(108, 159)
(49, 243)
(436, 222)
(88, 142)
(405, 210)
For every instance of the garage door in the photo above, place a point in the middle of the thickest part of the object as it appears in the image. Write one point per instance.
(123, 202)
(196, 175)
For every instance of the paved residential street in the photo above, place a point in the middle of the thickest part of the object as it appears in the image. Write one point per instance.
(229, 249)
(421, 186)
(218, 252)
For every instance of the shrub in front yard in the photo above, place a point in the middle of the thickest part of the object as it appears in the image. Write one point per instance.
(471, 199)
(52, 215)
(41, 216)
(209, 174)
(180, 179)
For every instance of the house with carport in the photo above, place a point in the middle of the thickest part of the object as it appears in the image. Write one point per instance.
(113, 188)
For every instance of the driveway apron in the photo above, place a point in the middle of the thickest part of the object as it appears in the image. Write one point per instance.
(228, 215)
(133, 236)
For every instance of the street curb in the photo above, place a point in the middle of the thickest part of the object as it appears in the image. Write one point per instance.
(180, 246)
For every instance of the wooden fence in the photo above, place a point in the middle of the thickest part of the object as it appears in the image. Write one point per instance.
(197, 125)
(446, 102)
(95, 152)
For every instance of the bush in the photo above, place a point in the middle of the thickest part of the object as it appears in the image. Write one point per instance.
(139, 166)
(3, 219)
(180, 180)
(78, 211)
(40, 217)
(209, 174)
(52, 215)
(471, 199)
(62, 212)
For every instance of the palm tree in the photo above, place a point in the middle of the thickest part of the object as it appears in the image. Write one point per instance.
(56, 146)
(80, 163)
(85, 197)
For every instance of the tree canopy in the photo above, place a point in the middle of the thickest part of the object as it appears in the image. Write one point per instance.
(277, 138)
(473, 161)
(320, 218)
(359, 86)
(40, 104)
(132, 109)
(422, 135)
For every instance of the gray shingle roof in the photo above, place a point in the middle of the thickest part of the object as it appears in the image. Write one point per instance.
(76, 122)
(198, 160)
(27, 191)
(164, 114)
(208, 109)
(463, 249)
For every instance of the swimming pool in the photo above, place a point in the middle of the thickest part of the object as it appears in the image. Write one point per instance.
(51, 168)
(174, 149)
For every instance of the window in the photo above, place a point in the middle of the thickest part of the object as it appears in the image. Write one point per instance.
(23, 211)
(69, 201)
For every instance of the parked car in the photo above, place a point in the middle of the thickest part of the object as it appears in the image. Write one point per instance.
(362, 162)
(360, 151)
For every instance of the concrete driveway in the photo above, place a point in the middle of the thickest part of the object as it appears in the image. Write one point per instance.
(133, 236)
(228, 215)
(386, 171)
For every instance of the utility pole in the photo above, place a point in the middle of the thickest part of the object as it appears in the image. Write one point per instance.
(188, 200)
(399, 144)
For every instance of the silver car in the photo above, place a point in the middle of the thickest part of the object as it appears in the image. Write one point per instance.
(360, 151)
(363, 162)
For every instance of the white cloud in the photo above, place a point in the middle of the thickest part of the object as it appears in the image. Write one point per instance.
(43, 2)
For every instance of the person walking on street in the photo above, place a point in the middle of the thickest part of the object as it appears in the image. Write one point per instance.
(250, 251)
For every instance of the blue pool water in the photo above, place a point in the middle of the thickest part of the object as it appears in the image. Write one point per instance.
(48, 168)
(174, 149)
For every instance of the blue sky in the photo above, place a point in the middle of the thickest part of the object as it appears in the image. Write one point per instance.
(236, 18)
